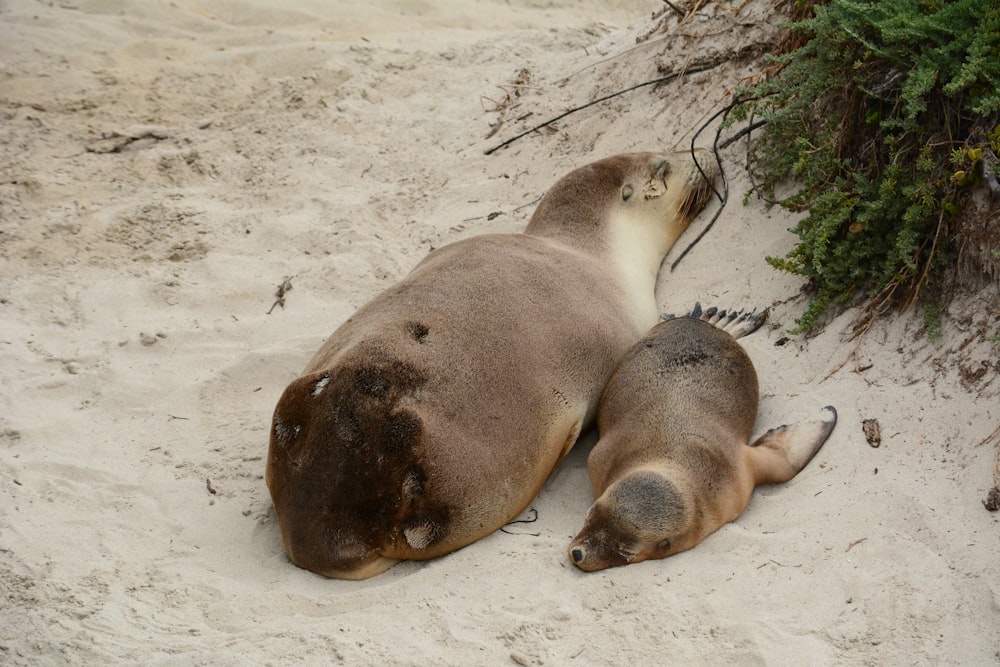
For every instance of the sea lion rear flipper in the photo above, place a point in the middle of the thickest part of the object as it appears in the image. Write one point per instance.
(782, 452)
(737, 323)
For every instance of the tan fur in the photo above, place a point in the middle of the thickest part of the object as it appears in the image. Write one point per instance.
(434, 415)
(673, 462)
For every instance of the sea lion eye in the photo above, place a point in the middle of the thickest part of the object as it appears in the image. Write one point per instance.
(626, 192)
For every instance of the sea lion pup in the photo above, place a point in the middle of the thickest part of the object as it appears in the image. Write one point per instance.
(433, 416)
(672, 463)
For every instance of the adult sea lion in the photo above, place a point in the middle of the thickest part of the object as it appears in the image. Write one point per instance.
(673, 463)
(434, 414)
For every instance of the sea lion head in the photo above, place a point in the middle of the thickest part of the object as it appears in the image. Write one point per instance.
(344, 469)
(659, 191)
(642, 516)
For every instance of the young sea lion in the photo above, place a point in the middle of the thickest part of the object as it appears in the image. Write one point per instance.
(673, 462)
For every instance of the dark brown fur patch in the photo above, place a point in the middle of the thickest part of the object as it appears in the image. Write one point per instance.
(683, 343)
(351, 473)
(418, 331)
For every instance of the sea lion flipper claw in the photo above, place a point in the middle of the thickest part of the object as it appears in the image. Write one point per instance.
(737, 323)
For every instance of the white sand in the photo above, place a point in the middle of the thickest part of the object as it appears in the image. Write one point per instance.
(336, 143)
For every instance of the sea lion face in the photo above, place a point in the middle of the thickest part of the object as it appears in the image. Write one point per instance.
(662, 192)
(672, 186)
(640, 517)
(344, 469)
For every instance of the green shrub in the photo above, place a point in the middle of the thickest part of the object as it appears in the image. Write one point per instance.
(885, 117)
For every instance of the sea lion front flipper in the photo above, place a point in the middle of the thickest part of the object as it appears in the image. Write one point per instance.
(782, 452)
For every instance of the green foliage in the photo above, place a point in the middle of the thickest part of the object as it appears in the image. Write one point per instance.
(882, 118)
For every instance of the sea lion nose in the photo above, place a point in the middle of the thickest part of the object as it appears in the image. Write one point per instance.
(577, 554)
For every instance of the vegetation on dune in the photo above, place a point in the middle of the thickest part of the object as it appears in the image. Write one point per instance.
(885, 116)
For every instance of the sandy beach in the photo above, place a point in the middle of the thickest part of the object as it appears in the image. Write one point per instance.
(165, 166)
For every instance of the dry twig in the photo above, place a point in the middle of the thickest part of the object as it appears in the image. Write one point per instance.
(992, 502)
(284, 288)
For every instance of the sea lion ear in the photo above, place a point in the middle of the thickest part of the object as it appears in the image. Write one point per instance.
(661, 166)
(626, 192)
(662, 547)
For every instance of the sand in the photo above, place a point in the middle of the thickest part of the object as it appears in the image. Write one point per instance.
(165, 166)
